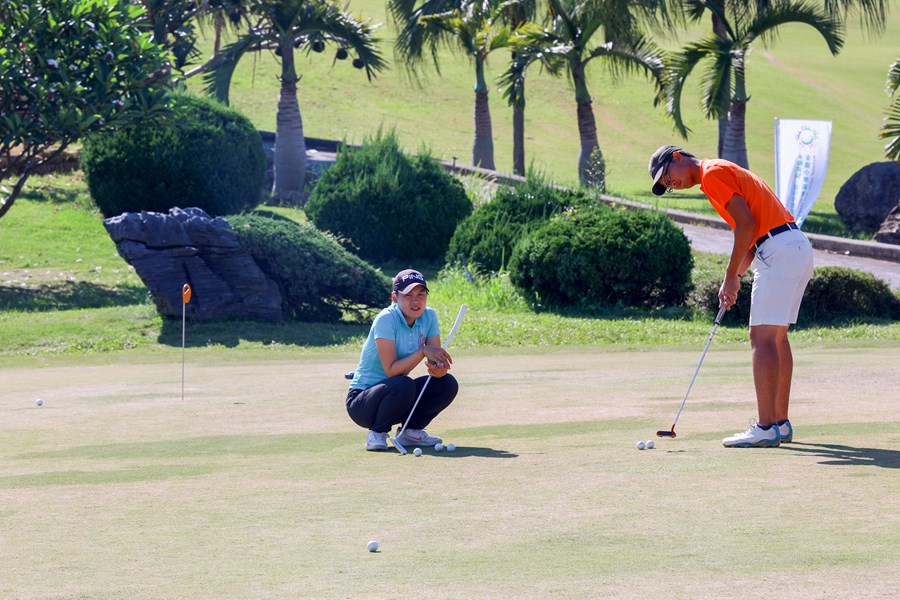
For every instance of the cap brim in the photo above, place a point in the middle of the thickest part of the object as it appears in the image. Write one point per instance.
(659, 189)
(411, 287)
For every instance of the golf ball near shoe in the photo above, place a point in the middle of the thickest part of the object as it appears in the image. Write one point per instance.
(372, 546)
(39, 402)
(640, 445)
(650, 444)
(451, 447)
(438, 447)
(417, 452)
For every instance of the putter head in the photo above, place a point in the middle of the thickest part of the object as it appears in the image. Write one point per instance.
(398, 446)
(664, 433)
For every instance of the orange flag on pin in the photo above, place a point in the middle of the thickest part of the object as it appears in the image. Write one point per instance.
(186, 293)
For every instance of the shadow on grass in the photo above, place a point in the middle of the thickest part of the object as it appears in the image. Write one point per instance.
(231, 333)
(69, 295)
(836, 454)
(466, 451)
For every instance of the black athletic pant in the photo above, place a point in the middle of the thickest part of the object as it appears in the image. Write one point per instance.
(389, 401)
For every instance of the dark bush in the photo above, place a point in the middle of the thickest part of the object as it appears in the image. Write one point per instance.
(833, 294)
(386, 205)
(836, 293)
(319, 280)
(486, 237)
(597, 255)
(205, 155)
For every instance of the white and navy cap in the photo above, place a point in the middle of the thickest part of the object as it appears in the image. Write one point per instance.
(405, 281)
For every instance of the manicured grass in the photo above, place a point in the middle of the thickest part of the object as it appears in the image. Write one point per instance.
(794, 77)
(257, 484)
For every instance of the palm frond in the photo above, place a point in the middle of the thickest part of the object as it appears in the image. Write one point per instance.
(893, 78)
(766, 23)
(679, 67)
(217, 80)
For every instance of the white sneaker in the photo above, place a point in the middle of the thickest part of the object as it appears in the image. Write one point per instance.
(785, 432)
(754, 437)
(376, 441)
(418, 437)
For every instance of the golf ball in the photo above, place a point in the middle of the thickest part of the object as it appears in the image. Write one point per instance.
(451, 447)
(640, 445)
(40, 402)
(417, 452)
(650, 444)
(438, 447)
(372, 546)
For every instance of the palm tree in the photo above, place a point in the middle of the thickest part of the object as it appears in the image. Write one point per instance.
(474, 26)
(517, 15)
(281, 26)
(568, 39)
(724, 91)
(891, 127)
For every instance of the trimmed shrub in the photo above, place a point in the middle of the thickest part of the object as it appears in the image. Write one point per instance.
(386, 205)
(486, 237)
(597, 255)
(206, 155)
(319, 280)
(833, 294)
(836, 293)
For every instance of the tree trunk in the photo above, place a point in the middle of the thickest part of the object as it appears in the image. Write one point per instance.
(735, 148)
(483, 145)
(519, 141)
(587, 132)
(719, 30)
(290, 147)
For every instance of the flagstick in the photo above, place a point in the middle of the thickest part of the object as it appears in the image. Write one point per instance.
(185, 298)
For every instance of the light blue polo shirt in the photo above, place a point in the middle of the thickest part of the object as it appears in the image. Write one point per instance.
(390, 324)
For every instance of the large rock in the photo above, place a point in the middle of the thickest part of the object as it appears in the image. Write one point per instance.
(869, 196)
(889, 233)
(188, 246)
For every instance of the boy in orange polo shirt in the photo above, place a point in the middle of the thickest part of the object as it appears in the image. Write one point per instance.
(766, 238)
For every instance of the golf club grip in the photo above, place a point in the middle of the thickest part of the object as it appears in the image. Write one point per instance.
(459, 317)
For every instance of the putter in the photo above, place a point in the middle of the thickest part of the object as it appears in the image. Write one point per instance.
(185, 298)
(398, 445)
(671, 434)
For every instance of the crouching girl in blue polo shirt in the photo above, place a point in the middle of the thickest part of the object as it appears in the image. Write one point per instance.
(382, 392)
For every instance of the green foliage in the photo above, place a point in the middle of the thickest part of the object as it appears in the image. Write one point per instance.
(487, 237)
(837, 293)
(833, 294)
(319, 280)
(599, 255)
(208, 156)
(387, 205)
(69, 68)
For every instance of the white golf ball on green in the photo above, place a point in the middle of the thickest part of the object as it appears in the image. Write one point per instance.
(438, 447)
(417, 452)
(640, 445)
(39, 402)
(650, 444)
(372, 546)
(451, 447)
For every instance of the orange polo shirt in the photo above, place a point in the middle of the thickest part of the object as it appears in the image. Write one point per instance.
(720, 180)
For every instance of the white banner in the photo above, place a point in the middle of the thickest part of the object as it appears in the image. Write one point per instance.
(801, 159)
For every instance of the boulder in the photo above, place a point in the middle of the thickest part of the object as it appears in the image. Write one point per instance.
(868, 196)
(189, 246)
(889, 233)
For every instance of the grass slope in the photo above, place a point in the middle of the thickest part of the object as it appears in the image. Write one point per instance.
(794, 77)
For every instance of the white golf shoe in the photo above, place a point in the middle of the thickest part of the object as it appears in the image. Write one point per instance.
(376, 441)
(418, 437)
(754, 437)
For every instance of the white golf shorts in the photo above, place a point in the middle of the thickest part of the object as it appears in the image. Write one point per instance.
(782, 267)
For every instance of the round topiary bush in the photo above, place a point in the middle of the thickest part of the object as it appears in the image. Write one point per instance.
(205, 155)
(319, 280)
(385, 205)
(836, 293)
(607, 256)
(486, 237)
